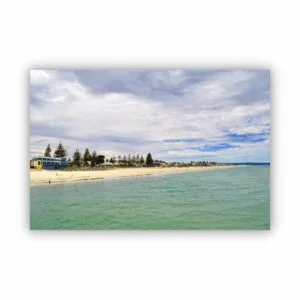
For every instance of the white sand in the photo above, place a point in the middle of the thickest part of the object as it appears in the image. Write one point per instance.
(56, 177)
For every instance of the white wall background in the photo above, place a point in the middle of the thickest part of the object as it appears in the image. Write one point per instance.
(149, 265)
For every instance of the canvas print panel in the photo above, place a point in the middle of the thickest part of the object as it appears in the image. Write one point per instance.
(149, 149)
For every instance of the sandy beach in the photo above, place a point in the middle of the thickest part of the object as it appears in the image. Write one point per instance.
(59, 177)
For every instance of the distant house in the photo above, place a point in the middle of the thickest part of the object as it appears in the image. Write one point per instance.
(164, 164)
(107, 165)
(48, 163)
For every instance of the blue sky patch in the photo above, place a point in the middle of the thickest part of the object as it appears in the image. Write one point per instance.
(182, 140)
(214, 148)
(248, 137)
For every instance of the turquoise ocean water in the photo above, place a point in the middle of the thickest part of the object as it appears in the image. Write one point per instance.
(232, 199)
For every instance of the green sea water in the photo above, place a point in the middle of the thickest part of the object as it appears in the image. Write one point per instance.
(228, 199)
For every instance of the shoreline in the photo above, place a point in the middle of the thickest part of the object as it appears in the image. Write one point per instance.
(39, 178)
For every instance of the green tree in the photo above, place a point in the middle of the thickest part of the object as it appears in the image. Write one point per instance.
(100, 159)
(149, 160)
(119, 158)
(60, 151)
(142, 161)
(93, 158)
(76, 158)
(48, 151)
(137, 159)
(133, 159)
(86, 157)
(124, 159)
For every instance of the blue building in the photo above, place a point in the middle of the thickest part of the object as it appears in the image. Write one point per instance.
(48, 163)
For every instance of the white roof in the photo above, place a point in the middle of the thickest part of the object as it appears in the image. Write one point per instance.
(45, 157)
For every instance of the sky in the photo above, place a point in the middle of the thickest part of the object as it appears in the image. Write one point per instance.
(176, 115)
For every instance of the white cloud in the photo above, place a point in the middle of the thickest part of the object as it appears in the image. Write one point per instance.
(41, 77)
(67, 110)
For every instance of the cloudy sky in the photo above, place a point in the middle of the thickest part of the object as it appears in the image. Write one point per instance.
(177, 115)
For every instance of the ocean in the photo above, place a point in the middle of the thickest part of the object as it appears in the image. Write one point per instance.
(227, 199)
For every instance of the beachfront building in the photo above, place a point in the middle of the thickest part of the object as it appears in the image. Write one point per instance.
(48, 163)
(106, 165)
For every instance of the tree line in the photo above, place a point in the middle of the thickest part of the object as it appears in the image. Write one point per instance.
(94, 159)
(59, 152)
(87, 159)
